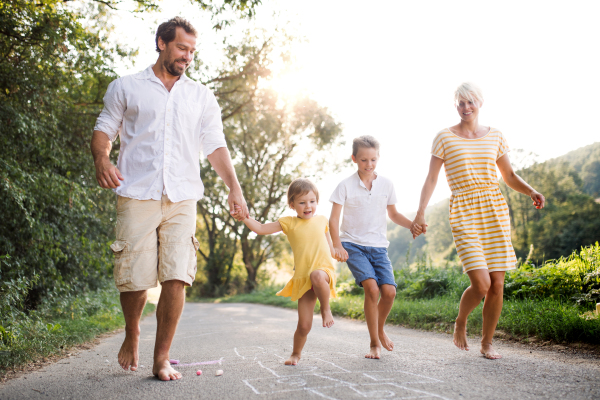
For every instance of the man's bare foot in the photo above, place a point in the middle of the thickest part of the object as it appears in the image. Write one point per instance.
(488, 352)
(386, 341)
(460, 336)
(374, 353)
(128, 355)
(293, 360)
(327, 318)
(163, 371)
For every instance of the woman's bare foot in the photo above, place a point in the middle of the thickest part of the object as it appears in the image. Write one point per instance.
(293, 360)
(488, 352)
(163, 371)
(327, 318)
(386, 342)
(374, 353)
(128, 355)
(460, 336)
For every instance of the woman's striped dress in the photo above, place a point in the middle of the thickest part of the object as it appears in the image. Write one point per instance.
(478, 212)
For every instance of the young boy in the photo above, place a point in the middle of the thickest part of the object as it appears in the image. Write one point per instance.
(361, 241)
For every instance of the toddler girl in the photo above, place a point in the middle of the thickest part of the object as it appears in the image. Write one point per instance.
(314, 274)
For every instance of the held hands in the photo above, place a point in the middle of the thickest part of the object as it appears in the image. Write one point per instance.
(237, 206)
(341, 254)
(107, 175)
(538, 200)
(238, 213)
(418, 226)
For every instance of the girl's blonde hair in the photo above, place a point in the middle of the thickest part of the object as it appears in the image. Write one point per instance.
(468, 91)
(299, 187)
(365, 141)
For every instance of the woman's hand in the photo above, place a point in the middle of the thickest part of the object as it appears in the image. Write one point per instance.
(539, 201)
(418, 226)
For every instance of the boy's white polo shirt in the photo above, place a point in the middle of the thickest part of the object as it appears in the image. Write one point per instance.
(364, 220)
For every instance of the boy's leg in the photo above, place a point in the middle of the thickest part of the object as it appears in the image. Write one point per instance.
(320, 282)
(372, 316)
(306, 308)
(387, 286)
(388, 295)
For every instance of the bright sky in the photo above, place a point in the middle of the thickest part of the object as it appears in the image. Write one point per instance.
(389, 69)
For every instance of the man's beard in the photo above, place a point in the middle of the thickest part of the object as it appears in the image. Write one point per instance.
(173, 68)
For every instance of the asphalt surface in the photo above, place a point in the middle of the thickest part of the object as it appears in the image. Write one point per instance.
(250, 342)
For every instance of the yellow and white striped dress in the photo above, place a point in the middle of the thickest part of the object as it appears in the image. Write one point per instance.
(478, 212)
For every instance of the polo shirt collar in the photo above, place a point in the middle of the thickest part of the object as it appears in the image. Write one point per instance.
(361, 183)
(148, 73)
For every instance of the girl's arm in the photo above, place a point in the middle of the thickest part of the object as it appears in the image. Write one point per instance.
(397, 217)
(330, 243)
(435, 165)
(262, 229)
(334, 229)
(517, 183)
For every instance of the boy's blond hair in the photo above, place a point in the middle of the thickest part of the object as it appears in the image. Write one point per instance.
(299, 187)
(365, 141)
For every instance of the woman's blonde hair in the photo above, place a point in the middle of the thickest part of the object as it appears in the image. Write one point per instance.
(365, 141)
(299, 187)
(468, 91)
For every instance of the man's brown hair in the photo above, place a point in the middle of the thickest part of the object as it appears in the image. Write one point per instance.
(300, 187)
(166, 30)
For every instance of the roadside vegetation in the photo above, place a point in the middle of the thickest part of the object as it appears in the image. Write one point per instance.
(552, 301)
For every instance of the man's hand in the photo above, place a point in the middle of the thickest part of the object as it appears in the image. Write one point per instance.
(108, 175)
(237, 206)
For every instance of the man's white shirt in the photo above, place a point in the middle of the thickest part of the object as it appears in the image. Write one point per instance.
(162, 134)
(364, 220)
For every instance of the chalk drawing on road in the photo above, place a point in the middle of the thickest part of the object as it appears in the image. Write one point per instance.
(329, 380)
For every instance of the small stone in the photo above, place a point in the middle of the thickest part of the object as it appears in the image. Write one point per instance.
(219, 372)
(198, 372)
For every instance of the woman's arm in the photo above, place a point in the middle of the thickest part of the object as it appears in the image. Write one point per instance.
(435, 165)
(334, 229)
(262, 229)
(517, 183)
(397, 217)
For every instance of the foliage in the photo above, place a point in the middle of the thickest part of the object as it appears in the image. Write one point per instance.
(61, 322)
(576, 277)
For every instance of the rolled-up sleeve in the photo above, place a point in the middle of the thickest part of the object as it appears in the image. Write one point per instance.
(211, 132)
(111, 118)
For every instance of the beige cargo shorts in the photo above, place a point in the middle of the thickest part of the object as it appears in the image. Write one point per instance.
(155, 242)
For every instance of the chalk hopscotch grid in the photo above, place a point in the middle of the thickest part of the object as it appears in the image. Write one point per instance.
(382, 384)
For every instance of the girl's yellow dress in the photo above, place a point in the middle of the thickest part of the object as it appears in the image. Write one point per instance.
(478, 212)
(311, 252)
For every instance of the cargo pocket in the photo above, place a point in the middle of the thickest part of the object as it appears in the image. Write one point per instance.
(193, 265)
(122, 271)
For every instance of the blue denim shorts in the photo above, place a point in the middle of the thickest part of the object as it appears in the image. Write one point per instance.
(369, 263)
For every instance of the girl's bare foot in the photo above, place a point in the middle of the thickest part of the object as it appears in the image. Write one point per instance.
(488, 352)
(385, 341)
(293, 360)
(163, 371)
(128, 355)
(374, 353)
(327, 318)
(460, 336)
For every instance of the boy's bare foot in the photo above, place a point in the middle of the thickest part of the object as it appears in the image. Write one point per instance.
(128, 355)
(460, 336)
(374, 353)
(327, 318)
(488, 352)
(293, 360)
(163, 371)
(386, 341)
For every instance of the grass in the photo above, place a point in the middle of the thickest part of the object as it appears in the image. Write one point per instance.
(61, 324)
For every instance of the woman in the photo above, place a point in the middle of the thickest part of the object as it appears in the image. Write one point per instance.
(478, 212)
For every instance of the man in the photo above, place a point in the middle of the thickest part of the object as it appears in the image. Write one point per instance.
(164, 119)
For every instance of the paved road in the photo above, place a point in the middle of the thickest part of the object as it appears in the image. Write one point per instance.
(249, 343)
